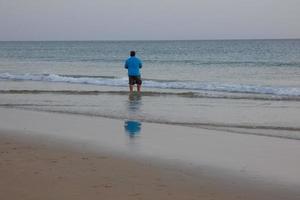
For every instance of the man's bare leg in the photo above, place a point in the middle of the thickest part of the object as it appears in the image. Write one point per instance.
(139, 88)
(131, 88)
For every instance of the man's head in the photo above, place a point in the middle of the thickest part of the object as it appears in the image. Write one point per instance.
(132, 53)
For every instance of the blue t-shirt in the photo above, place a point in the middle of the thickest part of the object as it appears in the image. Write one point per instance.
(133, 64)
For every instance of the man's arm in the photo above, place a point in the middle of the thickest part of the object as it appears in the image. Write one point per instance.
(140, 65)
(126, 65)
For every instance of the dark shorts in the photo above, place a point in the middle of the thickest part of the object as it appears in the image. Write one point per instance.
(135, 80)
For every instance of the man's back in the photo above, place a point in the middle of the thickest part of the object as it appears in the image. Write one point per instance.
(133, 64)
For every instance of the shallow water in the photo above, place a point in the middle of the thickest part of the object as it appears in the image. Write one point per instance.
(249, 86)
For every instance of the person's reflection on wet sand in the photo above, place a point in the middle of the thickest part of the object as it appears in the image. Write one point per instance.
(133, 126)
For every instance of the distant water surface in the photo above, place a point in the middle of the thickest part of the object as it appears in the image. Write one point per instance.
(245, 86)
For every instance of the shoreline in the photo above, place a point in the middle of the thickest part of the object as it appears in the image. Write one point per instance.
(281, 132)
(70, 156)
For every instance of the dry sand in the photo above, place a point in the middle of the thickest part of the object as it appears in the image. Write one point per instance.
(38, 172)
(33, 166)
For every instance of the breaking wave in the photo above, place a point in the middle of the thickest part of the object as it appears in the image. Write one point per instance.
(160, 84)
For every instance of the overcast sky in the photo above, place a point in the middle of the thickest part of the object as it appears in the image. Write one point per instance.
(148, 19)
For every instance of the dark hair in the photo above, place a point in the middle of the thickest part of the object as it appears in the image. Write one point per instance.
(132, 53)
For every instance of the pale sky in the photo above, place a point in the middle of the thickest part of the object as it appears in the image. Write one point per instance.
(148, 19)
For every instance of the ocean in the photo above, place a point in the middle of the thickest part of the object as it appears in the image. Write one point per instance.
(240, 86)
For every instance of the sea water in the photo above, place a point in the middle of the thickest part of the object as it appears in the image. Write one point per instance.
(242, 86)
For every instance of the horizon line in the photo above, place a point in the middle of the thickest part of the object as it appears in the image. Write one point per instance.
(144, 40)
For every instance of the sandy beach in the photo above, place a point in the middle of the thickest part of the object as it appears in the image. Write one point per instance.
(60, 156)
(150, 100)
(32, 171)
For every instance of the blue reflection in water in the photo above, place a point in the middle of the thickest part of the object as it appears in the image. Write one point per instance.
(133, 128)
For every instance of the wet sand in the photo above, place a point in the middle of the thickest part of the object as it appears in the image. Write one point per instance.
(59, 156)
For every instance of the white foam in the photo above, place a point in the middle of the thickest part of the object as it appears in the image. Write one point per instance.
(222, 87)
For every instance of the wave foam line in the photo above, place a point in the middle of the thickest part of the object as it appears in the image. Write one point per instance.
(157, 94)
(186, 85)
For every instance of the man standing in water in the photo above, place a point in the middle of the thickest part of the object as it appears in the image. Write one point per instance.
(133, 64)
